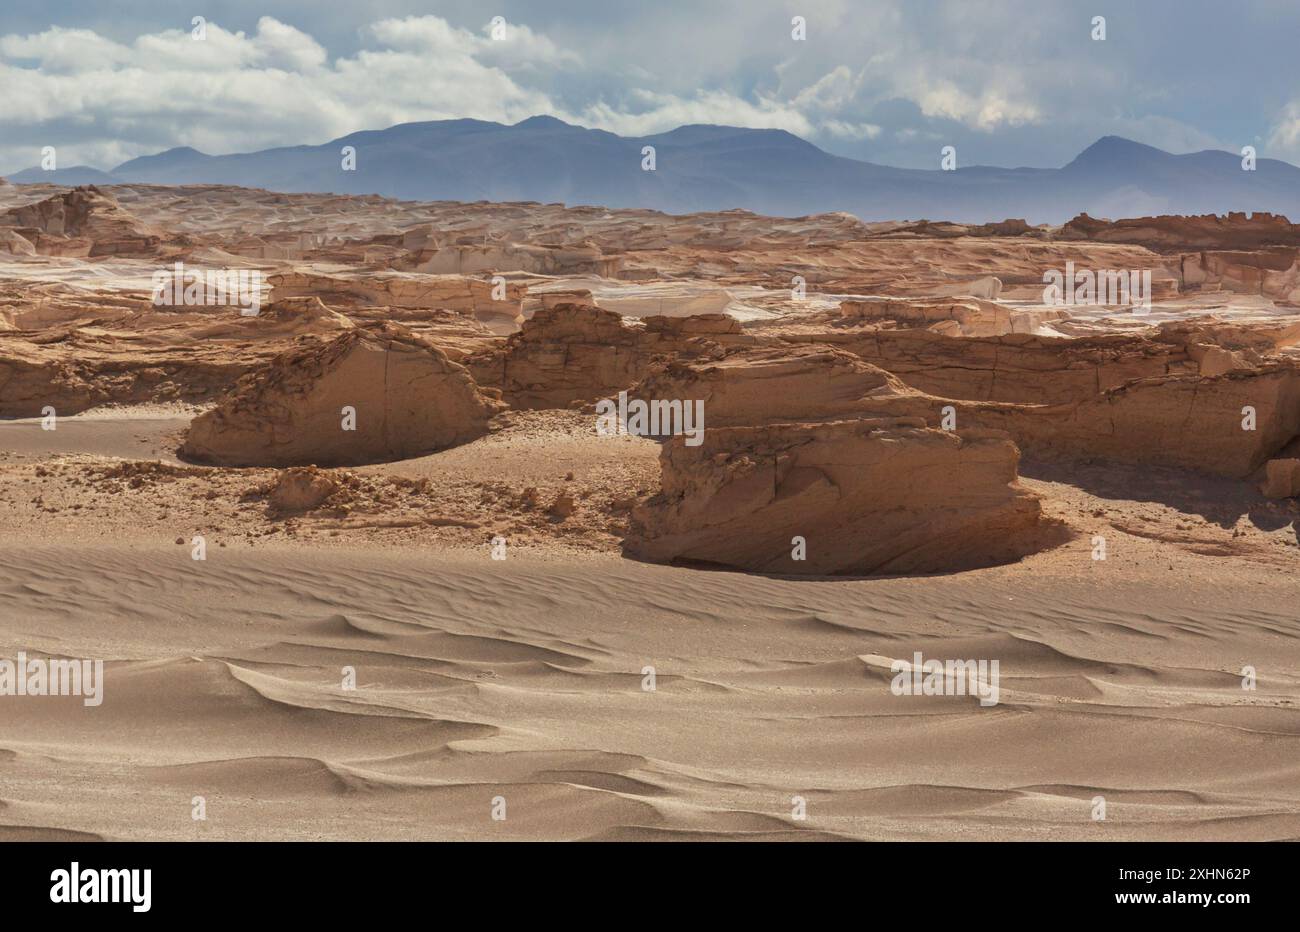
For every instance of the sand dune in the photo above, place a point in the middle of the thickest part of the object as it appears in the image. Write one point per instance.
(522, 679)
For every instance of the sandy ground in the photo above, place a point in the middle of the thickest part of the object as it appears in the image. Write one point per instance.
(525, 679)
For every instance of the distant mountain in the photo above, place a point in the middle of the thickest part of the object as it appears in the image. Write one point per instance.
(78, 174)
(705, 167)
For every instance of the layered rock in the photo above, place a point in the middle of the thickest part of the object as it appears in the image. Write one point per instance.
(960, 316)
(539, 259)
(1273, 272)
(771, 385)
(673, 333)
(1020, 368)
(573, 353)
(866, 496)
(1208, 231)
(1228, 425)
(84, 221)
(374, 394)
(663, 298)
(1188, 421)
(403, 290)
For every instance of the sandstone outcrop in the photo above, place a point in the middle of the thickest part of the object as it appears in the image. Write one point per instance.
(968, 316)
(867, 496)
(1227, 425)
(1020, 368)
(541, 259)
(374, 394)
(404, 290)
(13, 243)
(773, 385)
(1171, 233)
(88, 220)
(573, 353)
(1272, 272)
(564, 354)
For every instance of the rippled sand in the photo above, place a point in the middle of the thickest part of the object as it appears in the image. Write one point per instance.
(523, 679)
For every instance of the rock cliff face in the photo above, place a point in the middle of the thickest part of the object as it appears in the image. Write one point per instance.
(1273, 272)
(374, 394)
(866, 496)
(1227, 425)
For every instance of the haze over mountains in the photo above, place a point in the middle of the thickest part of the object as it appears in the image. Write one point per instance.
(705, 167)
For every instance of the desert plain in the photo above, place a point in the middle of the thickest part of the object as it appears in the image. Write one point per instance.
(360, 564)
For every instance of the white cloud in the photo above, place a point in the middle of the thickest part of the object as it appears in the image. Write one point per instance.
(876, 78)
(277, 86)
(62, 50)
(234, 92)
(1283, 140)
(844, 130)
(657, 113)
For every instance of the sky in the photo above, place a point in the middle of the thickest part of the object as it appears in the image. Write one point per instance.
(1007, 82)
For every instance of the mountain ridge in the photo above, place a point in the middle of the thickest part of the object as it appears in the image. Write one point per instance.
(708, 167)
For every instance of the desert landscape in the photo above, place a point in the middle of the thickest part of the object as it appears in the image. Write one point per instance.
(361, 562)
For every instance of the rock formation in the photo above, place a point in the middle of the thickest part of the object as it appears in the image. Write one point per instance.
(866, 496)
(967, 316)
(1226, 425)
(573, 353)
(403, 290)
(1168, 233)
(1021, 368)
(773, 385)
(85, 221)
(541, 259)
(375, 393)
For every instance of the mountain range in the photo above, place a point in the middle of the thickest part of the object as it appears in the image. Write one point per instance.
(706, 167)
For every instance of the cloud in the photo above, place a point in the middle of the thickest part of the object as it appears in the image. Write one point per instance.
(1014, 83)
(656, 113)
(234, 91)
(1283, 139)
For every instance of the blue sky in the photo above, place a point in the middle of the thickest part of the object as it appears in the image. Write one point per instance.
(1017, 82)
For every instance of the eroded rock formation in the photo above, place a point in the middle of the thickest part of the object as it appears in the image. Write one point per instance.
(572, 353)
(375, 393)
(865, 496)
(85, 221)
(403, 290)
